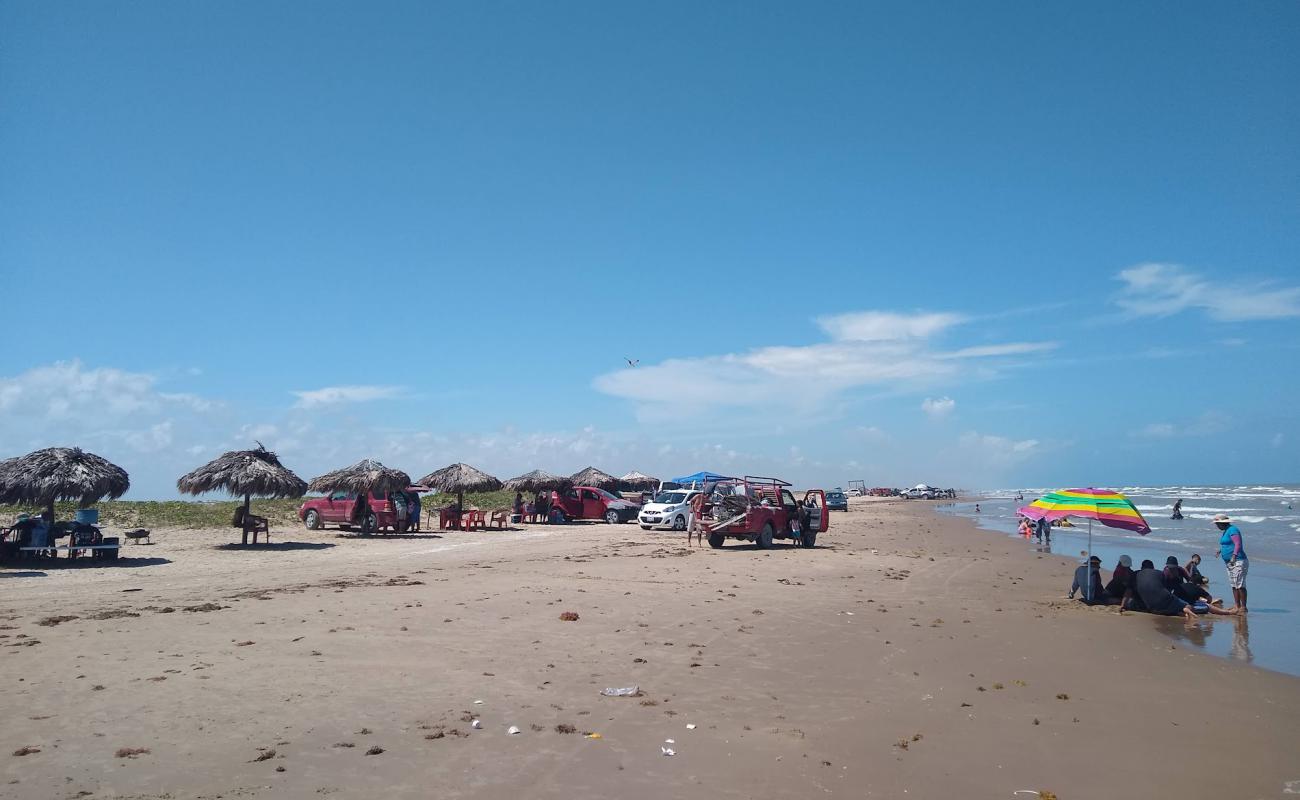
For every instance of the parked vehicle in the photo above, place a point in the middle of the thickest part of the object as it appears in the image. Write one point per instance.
(588, 502)
(669, 510)
(837, 501)
(336, 508)
(761, 510)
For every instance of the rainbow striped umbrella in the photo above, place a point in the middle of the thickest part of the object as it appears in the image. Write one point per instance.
(1111, 509)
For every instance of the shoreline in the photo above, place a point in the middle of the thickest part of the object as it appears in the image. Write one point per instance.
(1270, 638)
(902, 655)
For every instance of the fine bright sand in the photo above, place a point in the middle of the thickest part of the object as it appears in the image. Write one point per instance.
(907, 655)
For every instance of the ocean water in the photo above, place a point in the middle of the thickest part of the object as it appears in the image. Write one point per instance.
(1269, 518)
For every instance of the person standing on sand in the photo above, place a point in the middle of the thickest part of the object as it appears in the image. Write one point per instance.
(1233, 552)
(1043, 530)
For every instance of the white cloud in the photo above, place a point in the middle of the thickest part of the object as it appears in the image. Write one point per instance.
(336, 395)
(877, 326)
(999, 451)
(67, 390)
(1161, 290)
(938, 407)
(1207, 424)
(879, 349)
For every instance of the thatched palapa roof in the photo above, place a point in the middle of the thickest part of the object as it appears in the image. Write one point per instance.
(245, 472)
(537, 481)
(364, 476)
(638, 481)
(60, 473)
(594, 477)
(460, 478)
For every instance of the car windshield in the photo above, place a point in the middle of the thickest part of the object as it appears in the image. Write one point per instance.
(670, 498)
(835, 495)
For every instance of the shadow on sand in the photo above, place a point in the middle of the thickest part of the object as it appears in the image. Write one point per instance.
(275, 546)
(22, 573)
(381, 536)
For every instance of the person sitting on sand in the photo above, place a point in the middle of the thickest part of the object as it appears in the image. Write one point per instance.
(1120, 586)
(1194, 570)
(1178, 581)
(1087, 581)
(1157, 599)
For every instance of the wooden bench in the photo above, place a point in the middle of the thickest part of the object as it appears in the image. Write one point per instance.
(73, 549)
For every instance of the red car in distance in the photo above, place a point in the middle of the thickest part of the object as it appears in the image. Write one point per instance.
(336, 508)
(588, 502)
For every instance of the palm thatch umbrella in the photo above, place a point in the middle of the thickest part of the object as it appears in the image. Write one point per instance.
(638, 481)
(364, 476)
(460, 478)
(247, 472)
(537, 481)
(594, 477)
(60, 473)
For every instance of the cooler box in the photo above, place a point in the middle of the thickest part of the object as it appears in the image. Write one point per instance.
(87, 516)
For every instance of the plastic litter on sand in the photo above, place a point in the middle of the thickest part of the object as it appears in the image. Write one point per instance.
(513, 730)
(627, 691)
(594, 736)
(668, 751)
(690, 726)
(476, 724)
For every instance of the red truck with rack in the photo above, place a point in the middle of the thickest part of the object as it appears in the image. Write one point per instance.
(762, 510)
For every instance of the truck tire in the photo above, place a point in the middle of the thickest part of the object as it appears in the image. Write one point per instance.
(312, 520)
(679, 523)
(611, 516)
(764, 539)
(716, 540)
(808, 540)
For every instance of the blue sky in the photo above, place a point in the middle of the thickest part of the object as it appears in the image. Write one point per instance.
(981, 245)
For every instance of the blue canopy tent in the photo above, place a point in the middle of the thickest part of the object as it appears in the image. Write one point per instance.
(701, 478)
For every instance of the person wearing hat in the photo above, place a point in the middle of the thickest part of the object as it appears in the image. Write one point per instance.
(1087, 581)
(1121, 580)
(1233, 552)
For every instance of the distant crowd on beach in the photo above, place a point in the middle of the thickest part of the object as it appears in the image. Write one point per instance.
(1177, 589)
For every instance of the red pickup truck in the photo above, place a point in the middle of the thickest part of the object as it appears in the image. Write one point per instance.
(760, 510)
(588, 502)
(336, 508)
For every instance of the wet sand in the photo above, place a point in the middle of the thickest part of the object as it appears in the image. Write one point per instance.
(908, 652)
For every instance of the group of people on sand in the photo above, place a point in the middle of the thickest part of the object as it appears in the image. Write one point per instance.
(1174, 590)
(539, 509)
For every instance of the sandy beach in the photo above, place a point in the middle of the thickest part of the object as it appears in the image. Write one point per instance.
(909, 654)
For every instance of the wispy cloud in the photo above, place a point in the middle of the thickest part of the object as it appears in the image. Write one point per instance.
(878, 326)
(338, 395)
(1161, 290)
(1207, 424)
(938, 407)
(873, 348)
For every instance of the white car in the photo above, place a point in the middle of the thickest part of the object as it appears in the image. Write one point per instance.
(669, 510)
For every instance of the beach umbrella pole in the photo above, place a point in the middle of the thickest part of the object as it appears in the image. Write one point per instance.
(247, 499)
